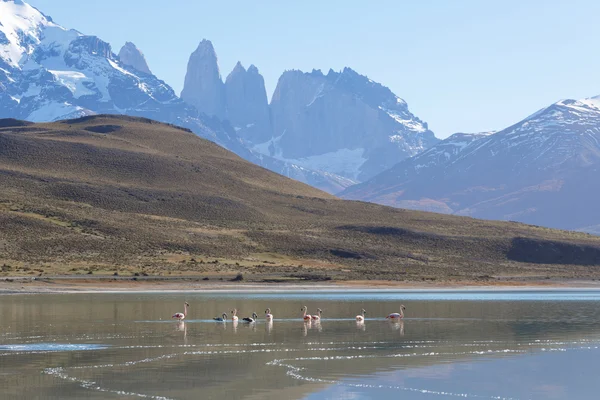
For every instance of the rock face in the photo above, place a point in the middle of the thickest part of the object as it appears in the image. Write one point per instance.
(247, 104)
(542, 170)
(343, 123)
(131, 56)
(203, 87)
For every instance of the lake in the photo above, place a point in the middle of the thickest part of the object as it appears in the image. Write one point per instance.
(451, 344)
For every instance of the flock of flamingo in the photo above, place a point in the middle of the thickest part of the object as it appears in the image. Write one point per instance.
(269, 317)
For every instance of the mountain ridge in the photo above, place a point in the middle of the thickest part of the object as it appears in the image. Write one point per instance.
(535, 171)
(341, 123)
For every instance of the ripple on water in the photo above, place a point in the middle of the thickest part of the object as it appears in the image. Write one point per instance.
(33, 347)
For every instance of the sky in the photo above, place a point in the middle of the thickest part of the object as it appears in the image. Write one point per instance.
(462, 65)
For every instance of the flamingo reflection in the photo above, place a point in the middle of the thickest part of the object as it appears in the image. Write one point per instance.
(397, 326)
(182, 327)
(269, 326)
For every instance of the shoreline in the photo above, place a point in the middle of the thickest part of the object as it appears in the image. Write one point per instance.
(79, 284)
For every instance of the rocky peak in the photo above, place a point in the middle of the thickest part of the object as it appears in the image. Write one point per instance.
(84, 49)
(131, 56)
(203, 87)
(247, 103)
(238, 69)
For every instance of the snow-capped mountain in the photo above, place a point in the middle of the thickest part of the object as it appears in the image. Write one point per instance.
(48, 73)
(343, 123)
(542, 170)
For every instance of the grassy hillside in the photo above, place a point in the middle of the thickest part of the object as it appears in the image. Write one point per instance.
(103, 194)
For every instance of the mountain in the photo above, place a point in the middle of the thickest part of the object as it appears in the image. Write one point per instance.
(133, 57)
(100, 193)
(203, 87)
(48, 73)
(247, 103)
(342, 123)
(541, 171)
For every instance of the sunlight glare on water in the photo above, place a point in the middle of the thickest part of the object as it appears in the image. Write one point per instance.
(451, 344)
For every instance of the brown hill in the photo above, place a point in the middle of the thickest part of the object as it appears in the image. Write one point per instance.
(107, 193)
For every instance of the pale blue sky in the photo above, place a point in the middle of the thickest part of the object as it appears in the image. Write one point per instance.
(462, 65)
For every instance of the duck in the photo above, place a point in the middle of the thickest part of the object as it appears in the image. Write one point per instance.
(222, 318)
(251, 319)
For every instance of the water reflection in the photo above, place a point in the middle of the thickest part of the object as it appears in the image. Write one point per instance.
(269, 326)
(397, 326)
(182, 327)
(73, 347)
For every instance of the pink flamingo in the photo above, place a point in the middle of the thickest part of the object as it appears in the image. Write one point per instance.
(234, 314)
(397, 315)
(361, 317)
(181, 316)
(305, 316)
(268, 315)
(317, 317)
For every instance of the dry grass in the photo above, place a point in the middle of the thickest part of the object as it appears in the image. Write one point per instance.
(147, 197)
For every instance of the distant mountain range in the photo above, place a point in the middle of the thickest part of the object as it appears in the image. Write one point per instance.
(542, 170)
(329, 131)
(341, 123)
(340, 131)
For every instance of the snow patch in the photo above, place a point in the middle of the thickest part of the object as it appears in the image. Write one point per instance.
(18, 19)
(54, 111)
(74, 81)
(318, 95)
(344, 162)
(118, 68)
(410, 124)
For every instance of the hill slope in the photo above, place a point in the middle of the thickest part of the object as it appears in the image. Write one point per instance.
(102, 193)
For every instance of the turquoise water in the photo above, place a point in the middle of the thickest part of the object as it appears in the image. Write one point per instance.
(451, 344)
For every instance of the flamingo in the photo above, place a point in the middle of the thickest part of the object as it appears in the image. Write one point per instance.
(250, 320)
(222, 318)
(397, 315)
(305, 316)
(233, 314)
(268, 315)
(361, 317)
(317, 317)
(181, 316)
